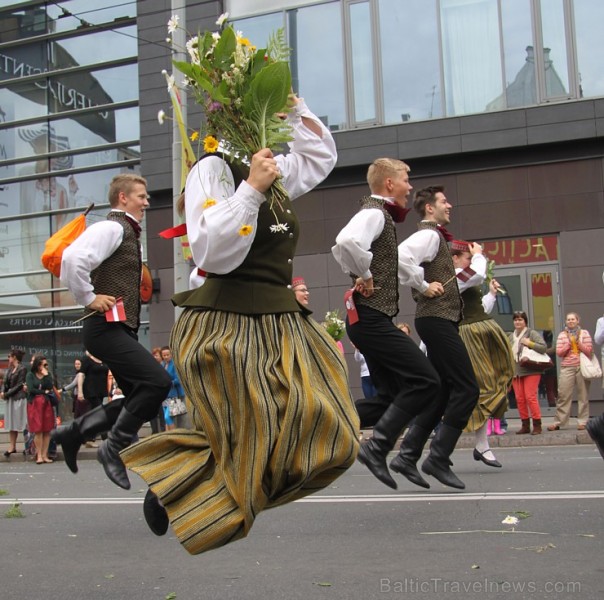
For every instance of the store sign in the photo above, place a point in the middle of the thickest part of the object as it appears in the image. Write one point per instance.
(522, 250)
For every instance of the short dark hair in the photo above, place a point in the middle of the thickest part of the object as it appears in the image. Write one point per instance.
(521, 314)
(425, 196)
(18, 354)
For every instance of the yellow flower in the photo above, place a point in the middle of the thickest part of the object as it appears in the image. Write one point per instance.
(210, 144)
(209, 202)
(244, 41)
(246, 230)
(194, 136)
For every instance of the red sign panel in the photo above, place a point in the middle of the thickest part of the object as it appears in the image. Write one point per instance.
(522, 250)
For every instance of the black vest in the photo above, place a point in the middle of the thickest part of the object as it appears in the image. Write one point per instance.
(448, 306)
(120, 274)
(384, 265)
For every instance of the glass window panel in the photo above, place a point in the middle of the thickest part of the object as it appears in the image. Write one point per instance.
(23, 101)
(95, 48)
(83, 90)
(259, 29)
(94, 13)
(19, 23)
(72, 92)
(321, 82)
(91, 129)
(519, 56)
(411, 87)
(362, 62)
(589, 16)
(554, 48)
(471, 55)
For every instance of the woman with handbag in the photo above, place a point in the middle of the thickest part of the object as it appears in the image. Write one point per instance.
(40, 412)
(572, 341)
(14, 397)
(526, 378)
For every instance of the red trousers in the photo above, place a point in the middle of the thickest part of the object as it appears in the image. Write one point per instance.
(525, 390)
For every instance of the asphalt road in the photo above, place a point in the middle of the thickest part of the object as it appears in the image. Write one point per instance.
(83, 538)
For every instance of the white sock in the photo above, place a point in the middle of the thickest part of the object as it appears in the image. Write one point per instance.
(482, 442)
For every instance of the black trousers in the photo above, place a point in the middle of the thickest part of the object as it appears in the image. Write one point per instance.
(144, 382)
(399, 370)
(459, 390)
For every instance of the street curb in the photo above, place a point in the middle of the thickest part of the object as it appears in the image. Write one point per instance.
(563, 437)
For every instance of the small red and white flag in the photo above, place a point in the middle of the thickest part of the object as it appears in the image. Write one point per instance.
(117, 314)
(466, 274)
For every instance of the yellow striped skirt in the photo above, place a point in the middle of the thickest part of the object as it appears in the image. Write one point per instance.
(273, 421)
(491, 356)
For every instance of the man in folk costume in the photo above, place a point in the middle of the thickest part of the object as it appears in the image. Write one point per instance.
(406, 382)
(102, 268)
(425, 264)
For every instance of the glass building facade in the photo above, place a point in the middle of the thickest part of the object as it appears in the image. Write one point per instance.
(381, 62)
(69, 122)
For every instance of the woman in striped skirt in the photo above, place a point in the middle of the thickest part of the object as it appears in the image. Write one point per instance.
(265, 385)
(490, 353)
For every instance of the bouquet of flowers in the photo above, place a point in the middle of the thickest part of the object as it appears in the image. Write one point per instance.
(334, 325)
(243, 90)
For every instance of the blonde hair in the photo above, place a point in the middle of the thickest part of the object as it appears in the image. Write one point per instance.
(124, 182)
(381, 168)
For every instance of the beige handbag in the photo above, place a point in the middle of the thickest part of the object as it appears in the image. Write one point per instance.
(590, 367)
(533, 360)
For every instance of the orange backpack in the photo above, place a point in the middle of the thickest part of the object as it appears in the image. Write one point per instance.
(53, 250)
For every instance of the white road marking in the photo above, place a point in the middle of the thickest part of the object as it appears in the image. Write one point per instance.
(474, 496)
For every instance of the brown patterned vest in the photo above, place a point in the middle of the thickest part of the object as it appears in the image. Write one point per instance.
(448, 306)
(384, 265)
(120, 274)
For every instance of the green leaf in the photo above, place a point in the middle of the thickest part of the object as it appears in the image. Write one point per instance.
(258, 61)
(277, 48)
(225, 48)
(188, 69)
(268, 94)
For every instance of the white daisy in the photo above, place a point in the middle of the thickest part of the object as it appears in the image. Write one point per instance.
(173, 24)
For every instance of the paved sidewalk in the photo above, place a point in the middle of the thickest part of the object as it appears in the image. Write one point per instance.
(568, 436)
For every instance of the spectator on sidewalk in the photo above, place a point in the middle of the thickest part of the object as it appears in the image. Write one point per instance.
(571, 342)
(13, 394)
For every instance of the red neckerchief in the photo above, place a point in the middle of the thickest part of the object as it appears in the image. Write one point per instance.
(446, 234)
(398, 213)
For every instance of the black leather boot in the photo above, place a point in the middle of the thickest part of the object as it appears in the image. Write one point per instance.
(595, 428)
(120, 437)
(405, 462)
(437, 463)
(374, 451)
(72, 435)
(155, 514)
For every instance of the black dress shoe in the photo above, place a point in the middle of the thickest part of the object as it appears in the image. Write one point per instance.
(155, 514)
(7, 453)
(486, 461)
